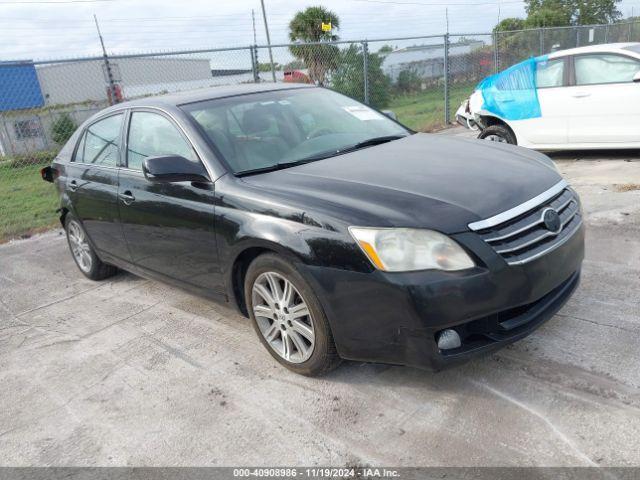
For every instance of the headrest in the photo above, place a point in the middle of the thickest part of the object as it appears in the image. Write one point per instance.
(256, 120)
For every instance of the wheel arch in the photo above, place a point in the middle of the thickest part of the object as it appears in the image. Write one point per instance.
(490, 120)
(242, 257)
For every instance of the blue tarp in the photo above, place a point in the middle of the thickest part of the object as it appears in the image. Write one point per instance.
(19, 86)
(512, 93)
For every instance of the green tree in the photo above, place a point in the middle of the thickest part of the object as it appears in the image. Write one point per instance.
(266, 67)
(348, 77)
(571, 12)
(306, 27)
(509, 24)
(408, 81)
(62, 129)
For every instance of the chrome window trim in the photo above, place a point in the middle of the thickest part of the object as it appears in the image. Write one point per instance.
(176, 122)
(520, 209)
(96, 165)
(100, 116)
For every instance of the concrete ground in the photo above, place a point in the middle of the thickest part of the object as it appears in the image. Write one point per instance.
(133, 372)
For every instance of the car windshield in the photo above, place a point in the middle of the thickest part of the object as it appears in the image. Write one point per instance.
(277, 129)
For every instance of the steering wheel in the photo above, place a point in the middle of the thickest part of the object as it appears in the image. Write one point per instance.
(317, 132)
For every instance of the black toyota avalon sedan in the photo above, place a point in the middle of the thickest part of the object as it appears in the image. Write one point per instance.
(339, 232)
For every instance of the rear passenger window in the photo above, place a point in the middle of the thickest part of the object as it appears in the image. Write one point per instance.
(151, 135)
(604, 68)
(100, 144)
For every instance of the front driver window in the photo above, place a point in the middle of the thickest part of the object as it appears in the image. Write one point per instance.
(605, 68)
(150, 135)
(550, 73)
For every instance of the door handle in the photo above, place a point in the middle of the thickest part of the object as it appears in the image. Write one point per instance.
(127, 197)
(73, 185)
(581, 94)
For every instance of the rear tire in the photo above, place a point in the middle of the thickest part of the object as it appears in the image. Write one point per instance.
(498, 133)
(83, 253)
(288, 318)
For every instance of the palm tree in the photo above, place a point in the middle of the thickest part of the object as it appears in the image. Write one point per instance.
(306, 27)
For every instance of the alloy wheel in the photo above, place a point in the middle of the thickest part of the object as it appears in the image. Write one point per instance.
(283, 317)
(80, 248)
(496, 138)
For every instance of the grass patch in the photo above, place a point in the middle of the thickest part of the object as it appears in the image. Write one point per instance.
(27, 203)
(424, 111)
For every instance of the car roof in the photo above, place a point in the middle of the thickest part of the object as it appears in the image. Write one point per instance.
(606, 47)
(203, 94)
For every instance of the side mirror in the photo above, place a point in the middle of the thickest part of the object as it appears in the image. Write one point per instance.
(48, 174)
(173, 168)
(636, 77)
(390, 114)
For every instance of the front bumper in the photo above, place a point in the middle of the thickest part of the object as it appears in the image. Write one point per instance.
(394, 318)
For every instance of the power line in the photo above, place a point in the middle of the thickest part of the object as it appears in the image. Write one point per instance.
(54, 3)
(447, 4)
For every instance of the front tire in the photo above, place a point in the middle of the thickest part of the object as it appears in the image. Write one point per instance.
(82, 252)
(498, 133)
(288, 318)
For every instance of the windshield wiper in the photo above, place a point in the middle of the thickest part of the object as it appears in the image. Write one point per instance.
(321, 156)
(277, 166)
(371, 142)
(338, 151)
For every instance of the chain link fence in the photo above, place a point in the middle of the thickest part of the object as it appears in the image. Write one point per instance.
(422, 79)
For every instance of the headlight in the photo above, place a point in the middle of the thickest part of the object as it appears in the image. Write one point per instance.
(408, 249)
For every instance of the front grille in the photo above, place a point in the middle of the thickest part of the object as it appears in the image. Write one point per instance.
(525, 237)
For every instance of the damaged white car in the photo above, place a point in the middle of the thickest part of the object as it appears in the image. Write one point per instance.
(583, 98)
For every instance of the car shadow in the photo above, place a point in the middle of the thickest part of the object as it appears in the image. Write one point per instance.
(626, 155)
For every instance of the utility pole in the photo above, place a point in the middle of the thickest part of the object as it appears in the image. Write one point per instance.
(253, 21)
(446, 16)
(266, 28)
(112, 86)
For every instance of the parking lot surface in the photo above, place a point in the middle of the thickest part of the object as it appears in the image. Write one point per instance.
(134, 372)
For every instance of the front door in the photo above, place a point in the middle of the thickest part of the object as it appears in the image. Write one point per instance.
(169, 227)
(552, 126)
(604, 100)
(92, 184)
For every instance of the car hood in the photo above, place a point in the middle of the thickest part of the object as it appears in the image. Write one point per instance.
(425, 181)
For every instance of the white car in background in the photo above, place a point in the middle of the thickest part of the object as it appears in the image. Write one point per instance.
(582, 98)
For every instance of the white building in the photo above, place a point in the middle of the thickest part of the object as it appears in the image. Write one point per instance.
(78, 82)
(428, 60)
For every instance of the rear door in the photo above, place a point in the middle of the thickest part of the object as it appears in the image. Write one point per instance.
(169, 227)
(604, 99)
(92, 183)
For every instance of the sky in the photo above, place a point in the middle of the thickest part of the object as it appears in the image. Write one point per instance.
(50, 29)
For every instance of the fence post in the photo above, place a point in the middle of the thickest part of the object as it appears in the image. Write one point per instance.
(577, 36)
(541, 41)
(629, 39)
(365, 70)
(496, 57)
(447, 113)
(253, 50)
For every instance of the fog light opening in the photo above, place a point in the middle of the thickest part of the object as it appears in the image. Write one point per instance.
(449, 339)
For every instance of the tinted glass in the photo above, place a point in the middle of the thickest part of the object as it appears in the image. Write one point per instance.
(604, 68)
(264, 129)
(550, 73)
(100, 143)
(152, 135)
